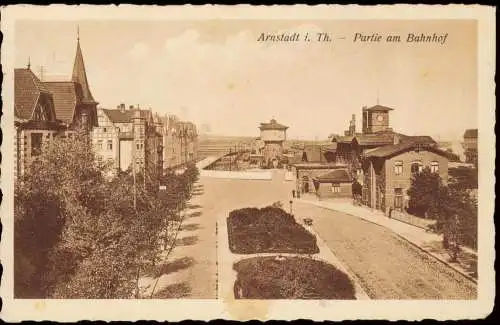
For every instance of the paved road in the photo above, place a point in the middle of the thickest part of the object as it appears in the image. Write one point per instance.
(191, 270)
(387, 266)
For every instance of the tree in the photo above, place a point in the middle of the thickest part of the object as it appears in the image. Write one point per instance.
(463, 177)
(457, 218)
(452, 156)
(78, 234)
(63, 183)
(424, 192)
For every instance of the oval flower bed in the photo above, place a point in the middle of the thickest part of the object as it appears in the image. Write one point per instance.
(268, 230)
(277, 277)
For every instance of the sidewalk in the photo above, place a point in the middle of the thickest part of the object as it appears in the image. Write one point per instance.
(188, 270)
(426, 241)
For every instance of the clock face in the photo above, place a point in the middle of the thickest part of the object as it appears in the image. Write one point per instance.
(380, 117)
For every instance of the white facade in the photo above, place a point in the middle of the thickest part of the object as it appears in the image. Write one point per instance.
(273, 135)
(105, 139)
(125, 154)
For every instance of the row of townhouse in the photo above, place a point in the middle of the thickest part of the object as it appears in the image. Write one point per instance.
(133, 138)
(138, 138)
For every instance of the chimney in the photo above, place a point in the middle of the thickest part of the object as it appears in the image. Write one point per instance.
(131, 107)
(365, 130)
(122, 107)
(352, 125)
(396, 139)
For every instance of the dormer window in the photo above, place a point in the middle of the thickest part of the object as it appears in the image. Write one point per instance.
(40, 113)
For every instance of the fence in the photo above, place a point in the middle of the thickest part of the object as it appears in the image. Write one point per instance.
(412, 220)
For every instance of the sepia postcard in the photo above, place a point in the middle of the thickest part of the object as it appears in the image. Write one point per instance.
(240, 162)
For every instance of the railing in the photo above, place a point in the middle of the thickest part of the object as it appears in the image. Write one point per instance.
(412, 220)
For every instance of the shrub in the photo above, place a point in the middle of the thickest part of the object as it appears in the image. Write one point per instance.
(268, 230)
(290, 278)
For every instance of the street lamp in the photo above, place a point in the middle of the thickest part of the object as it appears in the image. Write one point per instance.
(291, 210)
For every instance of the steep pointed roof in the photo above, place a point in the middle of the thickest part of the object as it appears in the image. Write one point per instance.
(27, 90)
(80, 75)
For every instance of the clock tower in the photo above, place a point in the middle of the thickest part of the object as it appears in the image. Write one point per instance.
(376, 119)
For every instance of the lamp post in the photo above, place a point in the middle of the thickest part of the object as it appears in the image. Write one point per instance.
(291, 210)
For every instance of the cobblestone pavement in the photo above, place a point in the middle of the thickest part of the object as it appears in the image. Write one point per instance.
(387, 266)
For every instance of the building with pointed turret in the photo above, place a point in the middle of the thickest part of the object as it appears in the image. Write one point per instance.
(45, 110)
(73, 99)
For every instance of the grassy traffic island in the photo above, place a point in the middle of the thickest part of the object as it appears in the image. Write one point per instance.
(277, 277)
(268, 230)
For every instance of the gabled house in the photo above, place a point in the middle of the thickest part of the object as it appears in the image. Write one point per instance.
(388, 170)
(334, 184)
(131, 137)
(44, 110)
(35, 118)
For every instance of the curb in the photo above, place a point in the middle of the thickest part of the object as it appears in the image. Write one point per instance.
(468, 277)
(360, 292)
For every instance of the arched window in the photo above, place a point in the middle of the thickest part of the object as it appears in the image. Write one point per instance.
(416, 167)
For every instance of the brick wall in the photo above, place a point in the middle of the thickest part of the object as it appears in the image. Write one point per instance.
(404, 179)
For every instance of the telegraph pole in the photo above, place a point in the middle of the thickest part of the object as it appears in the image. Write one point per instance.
(134, 159)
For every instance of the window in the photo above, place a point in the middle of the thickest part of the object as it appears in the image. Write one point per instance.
(36, 144)
(99, 144)
(398, 198)
(104, 130)
(398, 167)
(110, 144)
(434, 167)
(416, 167)
(335, 188)
(40, 113)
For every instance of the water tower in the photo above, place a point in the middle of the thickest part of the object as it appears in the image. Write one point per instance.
(273, 134)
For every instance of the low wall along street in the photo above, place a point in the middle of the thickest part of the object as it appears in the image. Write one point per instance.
(247, 174)
(253, 175)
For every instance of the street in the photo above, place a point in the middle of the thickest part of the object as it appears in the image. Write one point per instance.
(386, 266)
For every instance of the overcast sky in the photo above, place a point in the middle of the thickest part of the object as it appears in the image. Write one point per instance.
(217, 73)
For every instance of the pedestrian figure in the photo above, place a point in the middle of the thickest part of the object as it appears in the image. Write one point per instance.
(293, 194)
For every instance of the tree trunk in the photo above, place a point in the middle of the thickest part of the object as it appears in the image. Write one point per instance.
(446, 239)
(137, 284)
